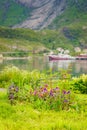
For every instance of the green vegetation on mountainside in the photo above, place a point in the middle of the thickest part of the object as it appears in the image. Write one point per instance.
(73, 23)
(12, 13)
(25, 39)
(71, 28)
(75, 13)
(19, 40)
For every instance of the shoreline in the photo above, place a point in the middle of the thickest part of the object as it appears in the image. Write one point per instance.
(14, 58)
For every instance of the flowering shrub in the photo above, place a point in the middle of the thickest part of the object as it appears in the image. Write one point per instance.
(13, 93)
(44, 97)
(50, 98)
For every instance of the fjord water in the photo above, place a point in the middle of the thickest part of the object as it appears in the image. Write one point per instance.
(42, 63)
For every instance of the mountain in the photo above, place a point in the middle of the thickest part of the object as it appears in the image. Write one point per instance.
(55, 23)
(38, 14)
(75, 13)
(43, 13)
(12, 12)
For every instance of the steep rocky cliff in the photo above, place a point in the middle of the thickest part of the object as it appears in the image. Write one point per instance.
(44, 11)
(38, 14)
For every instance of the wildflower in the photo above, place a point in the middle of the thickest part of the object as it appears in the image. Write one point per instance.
(35, 92)
(56, 89)
(40, 95)
(68, 92)
(45, 89)
(11, 88)
(11, 96)
(64, 92)
(66, 100)
(51, 92)
(46, 85)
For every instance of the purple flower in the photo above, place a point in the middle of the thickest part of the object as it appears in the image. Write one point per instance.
(11, 96)
(64, 92)
(45, 89)
(57, 88)
(11, 87)
(46, 85)
(16, 89)
(35, 92)
(51, 93)
(65, 100)
(68, 92)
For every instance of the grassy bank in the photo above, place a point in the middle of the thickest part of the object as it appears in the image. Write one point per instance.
(31, 101)
(23, 116)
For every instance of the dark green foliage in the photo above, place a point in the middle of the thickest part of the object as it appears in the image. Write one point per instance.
(17, 54)
(80, 86)
(23, 39)
(12, 13)
(26, 34)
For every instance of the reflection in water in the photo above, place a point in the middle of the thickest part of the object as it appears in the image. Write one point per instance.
(60, 64)
(80, 66)
(42, 63)
(77, 67)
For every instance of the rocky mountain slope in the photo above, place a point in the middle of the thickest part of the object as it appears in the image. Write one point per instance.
(44, 11)
(61, 23)
(38, 14)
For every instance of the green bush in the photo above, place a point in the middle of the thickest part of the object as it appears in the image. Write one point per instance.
(80, 84)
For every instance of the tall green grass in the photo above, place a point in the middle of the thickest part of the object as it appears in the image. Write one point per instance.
(23, 116)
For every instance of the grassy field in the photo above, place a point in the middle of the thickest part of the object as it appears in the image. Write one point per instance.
(23, 116)
(28, 113)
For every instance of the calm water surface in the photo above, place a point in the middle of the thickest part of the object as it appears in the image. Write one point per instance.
(42, 63)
